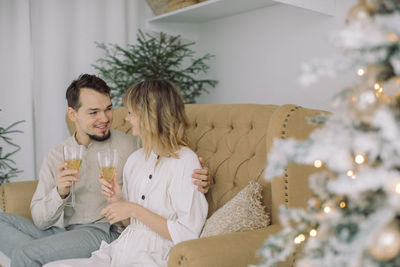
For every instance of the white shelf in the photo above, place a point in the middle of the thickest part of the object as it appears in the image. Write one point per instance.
(327, 7)
(210, 10)
(215, 9)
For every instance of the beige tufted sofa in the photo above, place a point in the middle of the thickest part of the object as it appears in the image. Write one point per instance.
(234, 140)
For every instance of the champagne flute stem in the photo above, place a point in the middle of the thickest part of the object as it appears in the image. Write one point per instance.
(73, 194)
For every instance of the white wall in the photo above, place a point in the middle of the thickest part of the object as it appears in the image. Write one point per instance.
(259, 53)
(258, 57)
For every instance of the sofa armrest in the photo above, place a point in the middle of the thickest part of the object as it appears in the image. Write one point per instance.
(230, 250)
(16, 197)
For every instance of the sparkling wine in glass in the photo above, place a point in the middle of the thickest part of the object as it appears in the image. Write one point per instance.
(73, 155)
(108, 160)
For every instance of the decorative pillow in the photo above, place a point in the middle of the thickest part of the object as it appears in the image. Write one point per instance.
(242, 213)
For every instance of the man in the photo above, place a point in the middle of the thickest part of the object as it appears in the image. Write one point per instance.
(59, 230)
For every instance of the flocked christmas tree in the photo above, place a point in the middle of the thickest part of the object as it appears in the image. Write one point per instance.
(353, 218)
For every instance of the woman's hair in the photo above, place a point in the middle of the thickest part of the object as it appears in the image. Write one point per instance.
(162, 117)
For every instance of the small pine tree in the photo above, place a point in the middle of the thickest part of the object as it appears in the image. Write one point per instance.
(154, 57)
(7, 164)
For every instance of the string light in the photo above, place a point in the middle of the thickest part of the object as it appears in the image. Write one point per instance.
(313, 233)
(300, 239)
(361, 72)
(342, 204)
(377, 86)
(359, 158)
(317, 163)
(327, 209)
(397, 188)
(351, 174)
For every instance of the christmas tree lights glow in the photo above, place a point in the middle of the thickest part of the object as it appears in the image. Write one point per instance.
(353, 217)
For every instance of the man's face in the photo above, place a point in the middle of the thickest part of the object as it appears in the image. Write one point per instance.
(93, 118)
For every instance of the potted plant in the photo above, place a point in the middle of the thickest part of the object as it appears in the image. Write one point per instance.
(154, 57)
(7, 164)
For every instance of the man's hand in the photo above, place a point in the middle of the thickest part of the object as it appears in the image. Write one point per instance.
(203, 177)
(65, 177)
(113, 191)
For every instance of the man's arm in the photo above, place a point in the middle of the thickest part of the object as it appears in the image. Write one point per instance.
(202, 176)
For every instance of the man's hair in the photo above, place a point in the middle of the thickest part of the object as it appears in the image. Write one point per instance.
(162, 116)
(84, 81)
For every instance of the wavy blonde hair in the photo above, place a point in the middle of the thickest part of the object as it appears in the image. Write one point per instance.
(162, 117)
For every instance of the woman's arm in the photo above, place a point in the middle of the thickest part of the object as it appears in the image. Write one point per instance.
(123, 210)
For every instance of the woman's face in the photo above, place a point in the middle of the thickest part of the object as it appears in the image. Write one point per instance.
(133, 119)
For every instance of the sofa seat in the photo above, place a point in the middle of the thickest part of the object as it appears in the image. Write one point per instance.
(234, 140)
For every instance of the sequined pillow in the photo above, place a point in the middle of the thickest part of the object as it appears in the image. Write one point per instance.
(242, 213)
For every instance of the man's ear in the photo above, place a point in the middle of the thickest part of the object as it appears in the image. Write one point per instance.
(71, 114)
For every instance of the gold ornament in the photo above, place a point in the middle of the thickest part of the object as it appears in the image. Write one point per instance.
(377, 74)
(386, 244)
(392, 91)
(360, 11)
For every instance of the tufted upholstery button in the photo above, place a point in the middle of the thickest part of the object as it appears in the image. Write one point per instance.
(195, 124)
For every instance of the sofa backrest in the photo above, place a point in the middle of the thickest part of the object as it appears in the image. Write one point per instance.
(291, 189)
(234, 140)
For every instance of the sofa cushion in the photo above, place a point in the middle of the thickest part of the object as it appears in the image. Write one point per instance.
(242, 213)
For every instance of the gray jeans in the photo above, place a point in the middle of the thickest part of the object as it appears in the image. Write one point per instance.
(26, 245)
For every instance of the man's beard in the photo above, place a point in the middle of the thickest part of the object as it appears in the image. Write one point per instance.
(100, 138)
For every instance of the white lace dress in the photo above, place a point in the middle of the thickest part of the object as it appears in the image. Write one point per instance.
(167, 190)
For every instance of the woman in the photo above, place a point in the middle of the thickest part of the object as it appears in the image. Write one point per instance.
(158, 201)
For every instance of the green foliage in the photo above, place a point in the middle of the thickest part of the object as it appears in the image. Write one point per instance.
(7, 164)
(154, 57)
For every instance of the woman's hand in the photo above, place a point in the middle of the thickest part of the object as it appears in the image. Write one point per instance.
(113, 191)
(119, 211)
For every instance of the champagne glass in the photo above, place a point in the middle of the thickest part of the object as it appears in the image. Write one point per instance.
(108, 160)
(73, 155)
